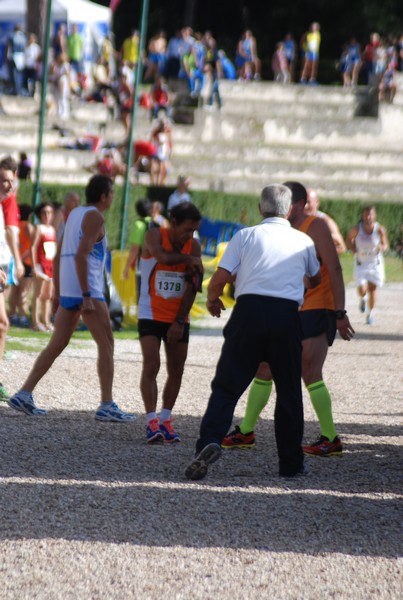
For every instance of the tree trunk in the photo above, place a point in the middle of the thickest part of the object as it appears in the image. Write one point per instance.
(36, 18)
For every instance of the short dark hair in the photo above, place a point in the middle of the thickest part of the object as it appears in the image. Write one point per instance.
(25, 211)
(368, 208)
(9, 164)
(298, 191)
(38, 209)
(97, 185)
(185, 211)
(143, 207)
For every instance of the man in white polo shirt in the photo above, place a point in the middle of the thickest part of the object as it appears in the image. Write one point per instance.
(272, 263)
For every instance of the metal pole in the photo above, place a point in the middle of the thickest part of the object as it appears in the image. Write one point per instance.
(37, 185)
(129, 159)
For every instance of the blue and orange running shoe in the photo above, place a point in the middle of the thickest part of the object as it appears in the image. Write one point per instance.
(169, 433)
(154, 434)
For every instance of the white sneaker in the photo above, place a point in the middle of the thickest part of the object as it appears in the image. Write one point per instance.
(114, 414)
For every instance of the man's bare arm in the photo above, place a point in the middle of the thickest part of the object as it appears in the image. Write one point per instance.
(131, 259)
(215, 289)
(336, 235)
(384, 244)
(175, 331)
(153, 247)
(326, 250)
(350, 239)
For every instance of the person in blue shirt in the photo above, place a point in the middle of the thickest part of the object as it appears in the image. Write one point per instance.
(228, 67)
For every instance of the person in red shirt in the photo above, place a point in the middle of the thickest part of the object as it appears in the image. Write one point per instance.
(160, 99)
(43, 251)
(8, 244)
(109, 163)
(144, 157)
(18, 305)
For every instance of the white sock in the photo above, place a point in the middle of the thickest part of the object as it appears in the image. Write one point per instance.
(150, 416)
(165, 415)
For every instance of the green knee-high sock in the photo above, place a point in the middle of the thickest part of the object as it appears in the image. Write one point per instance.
(322, 404)
(258, 397)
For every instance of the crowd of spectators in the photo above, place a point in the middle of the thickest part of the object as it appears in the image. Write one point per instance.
(376, 62)
(191, 56)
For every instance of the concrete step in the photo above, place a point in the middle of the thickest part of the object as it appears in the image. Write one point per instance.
(265, 132)
(271, 91)
(216, 167)
(227, 151)
(327, 188)
(275, 109)
(334, 156)
(357, 133)
(272, 123)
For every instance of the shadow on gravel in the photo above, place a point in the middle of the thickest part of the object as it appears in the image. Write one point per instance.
(286, 520)
(202, 517)
(100, 482)
(380, 337)
(72, 445)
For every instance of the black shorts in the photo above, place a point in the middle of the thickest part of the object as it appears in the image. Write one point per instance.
(159, 329)
(317, 321)
(28, 270)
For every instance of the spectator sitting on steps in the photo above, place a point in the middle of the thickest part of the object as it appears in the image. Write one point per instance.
(181, 193)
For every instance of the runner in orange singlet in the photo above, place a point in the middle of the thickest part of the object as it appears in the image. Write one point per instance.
(321, 315)
(171, 271)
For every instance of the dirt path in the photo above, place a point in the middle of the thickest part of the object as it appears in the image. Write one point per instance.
(89, 511)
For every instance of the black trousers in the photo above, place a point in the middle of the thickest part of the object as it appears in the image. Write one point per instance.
(260, 329)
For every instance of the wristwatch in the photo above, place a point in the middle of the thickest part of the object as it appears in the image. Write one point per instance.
(180, 321)
(340, 314)
(86, 294)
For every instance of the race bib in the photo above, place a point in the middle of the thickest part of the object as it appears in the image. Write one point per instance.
(50, 250)
(169, 284)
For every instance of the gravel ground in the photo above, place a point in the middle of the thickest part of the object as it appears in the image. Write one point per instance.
(89, 511)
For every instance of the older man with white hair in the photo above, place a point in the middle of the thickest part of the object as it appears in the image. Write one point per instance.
(270, 264)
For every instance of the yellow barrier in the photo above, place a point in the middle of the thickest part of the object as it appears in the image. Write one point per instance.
(126, 287)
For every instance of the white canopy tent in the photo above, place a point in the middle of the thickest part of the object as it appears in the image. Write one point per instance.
(93, 21)
(77, 11)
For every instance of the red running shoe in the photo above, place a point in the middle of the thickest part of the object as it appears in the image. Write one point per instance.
(324, 447)
(237, 439)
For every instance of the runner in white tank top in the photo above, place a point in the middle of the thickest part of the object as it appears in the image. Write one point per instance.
(70, 289)
(78, 277)
(368, 240)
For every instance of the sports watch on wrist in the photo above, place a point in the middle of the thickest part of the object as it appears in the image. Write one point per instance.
(180, 321)
(86, 294)
(340, 314)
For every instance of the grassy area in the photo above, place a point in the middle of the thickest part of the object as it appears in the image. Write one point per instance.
(393, 268)
(38, 340)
